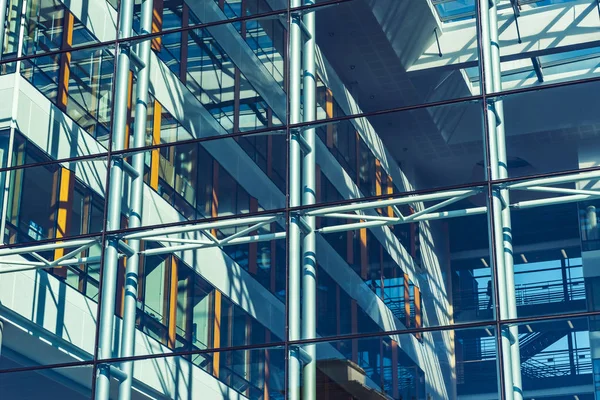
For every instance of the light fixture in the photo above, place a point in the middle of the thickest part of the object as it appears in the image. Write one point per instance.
(529, 328)
(576, 397)
(488, 332)
(485, 264)
(564, 253)
(570, 324)
(524, 258)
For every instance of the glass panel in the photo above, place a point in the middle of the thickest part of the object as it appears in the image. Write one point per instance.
(215, 178)
(254, 374)
(56, 383)
(558, 357)
(411, 274)
(367, 63)
(79, 84)
(403, 151)
(454, 363)
(554, 258)
(538, 141)
(184, 299)
(227, 78)
(49, 292)
(52, 201)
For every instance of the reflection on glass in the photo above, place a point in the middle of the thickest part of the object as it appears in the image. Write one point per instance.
(57, 383)
(558, 356)
(254, 374)
(455, 363)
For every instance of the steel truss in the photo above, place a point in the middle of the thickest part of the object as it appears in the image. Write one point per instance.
(176, 239)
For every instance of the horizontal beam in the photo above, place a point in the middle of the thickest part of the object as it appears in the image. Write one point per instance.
(44, 247)
(391, 202)
(243, 240)
(556, 180)
(230, 223)
(29, 265)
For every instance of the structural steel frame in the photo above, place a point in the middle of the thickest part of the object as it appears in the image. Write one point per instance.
(302, 228)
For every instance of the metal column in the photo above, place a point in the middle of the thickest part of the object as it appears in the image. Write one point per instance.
(137, 194)
(309, 269)
(13, 122)
(111, 254)
(501, 201)
(3, 4)
(487, 43)
(505, 201)
(294, 237)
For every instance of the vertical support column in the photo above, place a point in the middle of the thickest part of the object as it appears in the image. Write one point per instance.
(294, 237)
(507, 252)
(13, 123)
(111, 254)
(511, 362)
(3, 4)
(137, 195)
(309, 269)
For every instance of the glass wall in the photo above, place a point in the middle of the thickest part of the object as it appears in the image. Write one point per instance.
(445, 244)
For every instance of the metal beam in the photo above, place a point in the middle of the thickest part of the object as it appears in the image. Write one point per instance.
(243, 240)
(229, 223)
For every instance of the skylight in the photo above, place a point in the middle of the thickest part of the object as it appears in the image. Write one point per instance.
(458, 10)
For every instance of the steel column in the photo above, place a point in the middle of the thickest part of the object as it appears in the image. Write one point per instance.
(505, 201)
(137, 194)
(13, 116)
(294, 237)
(487, 9)
(309, 269)
(111, 254)
(3, 4)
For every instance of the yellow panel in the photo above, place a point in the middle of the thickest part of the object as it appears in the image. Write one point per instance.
(217, 333)
(155, 157)
(65, 207)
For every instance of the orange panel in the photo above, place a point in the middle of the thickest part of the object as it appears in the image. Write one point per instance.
(217, 332)
(66, 186)
(407, 300)
(65, 61)
(364, 256)
(172, 323)
(390, 190)
(418, 319)
(329, 113)
(157, 23)
(155, 155)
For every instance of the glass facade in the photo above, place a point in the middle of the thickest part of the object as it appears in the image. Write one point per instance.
(299, 199)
